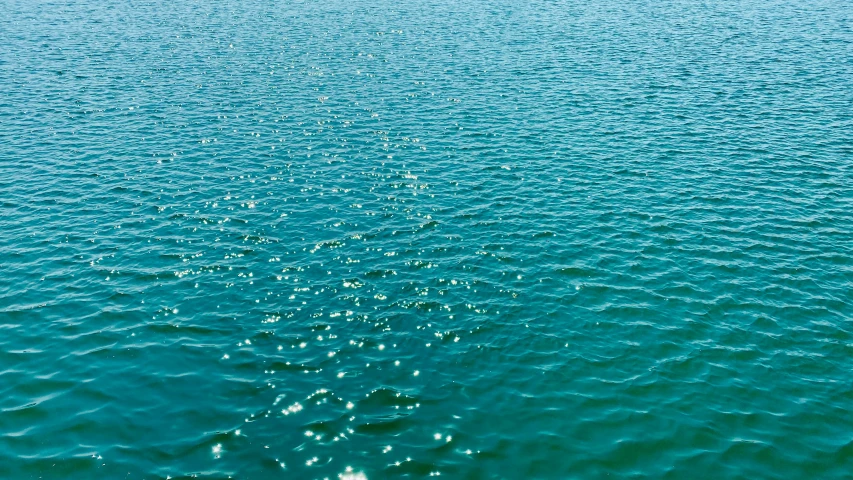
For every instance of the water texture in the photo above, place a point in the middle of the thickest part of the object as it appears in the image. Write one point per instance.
(478, 239)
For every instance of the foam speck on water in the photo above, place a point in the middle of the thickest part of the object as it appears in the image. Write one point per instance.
(350, 475)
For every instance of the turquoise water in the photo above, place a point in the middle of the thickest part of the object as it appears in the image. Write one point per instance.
(480, 239)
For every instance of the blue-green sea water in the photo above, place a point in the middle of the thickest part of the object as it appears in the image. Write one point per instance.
(478, 239)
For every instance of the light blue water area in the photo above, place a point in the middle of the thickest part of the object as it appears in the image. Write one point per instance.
(479, 238)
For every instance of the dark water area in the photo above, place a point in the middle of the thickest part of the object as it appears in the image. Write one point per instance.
(476, 239)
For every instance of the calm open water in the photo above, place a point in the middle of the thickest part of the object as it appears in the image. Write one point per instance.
(479, 238)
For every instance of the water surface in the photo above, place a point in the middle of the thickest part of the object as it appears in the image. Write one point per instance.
(481, 239)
